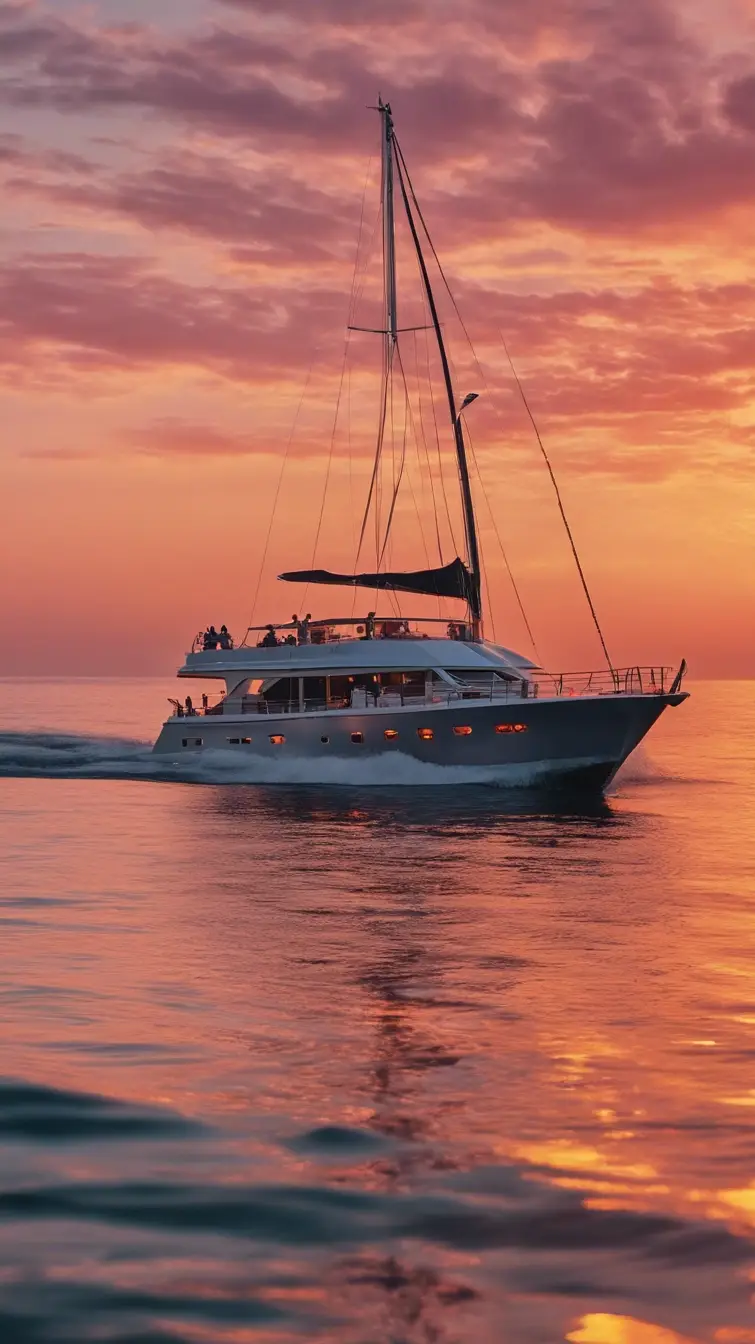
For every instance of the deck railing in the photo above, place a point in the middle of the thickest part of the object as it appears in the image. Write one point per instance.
(621, 681)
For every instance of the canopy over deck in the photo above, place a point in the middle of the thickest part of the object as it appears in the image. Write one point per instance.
(347, 656)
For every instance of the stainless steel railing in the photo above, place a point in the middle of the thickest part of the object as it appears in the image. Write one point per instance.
(622, 681)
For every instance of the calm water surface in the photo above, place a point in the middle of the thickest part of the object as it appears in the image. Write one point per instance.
(373, 1066)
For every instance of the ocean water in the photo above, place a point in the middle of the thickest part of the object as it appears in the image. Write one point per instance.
(428, 1065)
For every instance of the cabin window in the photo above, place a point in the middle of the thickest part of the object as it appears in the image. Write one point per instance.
(425, 734)
(282, 694)
(277, 739)
(414, 684)
(357, 737)
(198, 741)
(511, 727)
(314, 691)
(390, 734)
(234, 741)
(325, 740)
(184, 741)
(462, 730)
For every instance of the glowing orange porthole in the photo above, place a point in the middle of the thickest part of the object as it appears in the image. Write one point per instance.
(426, 734)
(511, 727)
(390, 734)
(246, 741)
(462, 730)
(357, 737)
(277, 739)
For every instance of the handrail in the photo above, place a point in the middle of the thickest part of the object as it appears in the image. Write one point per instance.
(645, 681)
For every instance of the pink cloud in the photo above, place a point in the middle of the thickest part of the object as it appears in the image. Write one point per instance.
(171, 437)
(114, 313)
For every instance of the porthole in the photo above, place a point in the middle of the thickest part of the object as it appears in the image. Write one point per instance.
(184, 741)
(325, 740)
(425, 734)
(246, 741)
(277, 739)
(462, 730)
(511, 727)
(390, 734)
(234, 741)
(357, 737)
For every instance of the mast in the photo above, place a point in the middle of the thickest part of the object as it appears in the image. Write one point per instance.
(470, 525)
(389, 229)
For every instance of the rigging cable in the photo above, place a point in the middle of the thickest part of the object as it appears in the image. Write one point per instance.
(378, 453)
(355, 285)
(502, 548)
(277, 493)
(330, 463)
(408, 418)
(562, 511)
(427, 450)
(533, 422)
(437, 442)
(352, 303)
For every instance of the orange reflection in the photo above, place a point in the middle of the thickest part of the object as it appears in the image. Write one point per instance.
(602, 1328)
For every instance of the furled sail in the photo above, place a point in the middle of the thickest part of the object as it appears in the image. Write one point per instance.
(452, 580)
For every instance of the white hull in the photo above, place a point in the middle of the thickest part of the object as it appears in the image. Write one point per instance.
(571, 741)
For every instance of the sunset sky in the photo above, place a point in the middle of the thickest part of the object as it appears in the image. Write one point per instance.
(183, 187)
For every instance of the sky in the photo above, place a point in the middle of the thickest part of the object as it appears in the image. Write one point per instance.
(188, 227)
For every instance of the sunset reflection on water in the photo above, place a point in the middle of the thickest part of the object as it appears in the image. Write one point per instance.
(449, 1065)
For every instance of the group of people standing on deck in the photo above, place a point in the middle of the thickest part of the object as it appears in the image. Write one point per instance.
(270, 639)
(211, 639)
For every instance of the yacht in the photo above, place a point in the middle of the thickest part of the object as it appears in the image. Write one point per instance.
(434, 690)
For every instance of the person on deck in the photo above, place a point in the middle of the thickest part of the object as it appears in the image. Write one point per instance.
(270, 641)
(224, 639)
(302, 628)
(211, 638)
(189, 707)
(369, 625)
